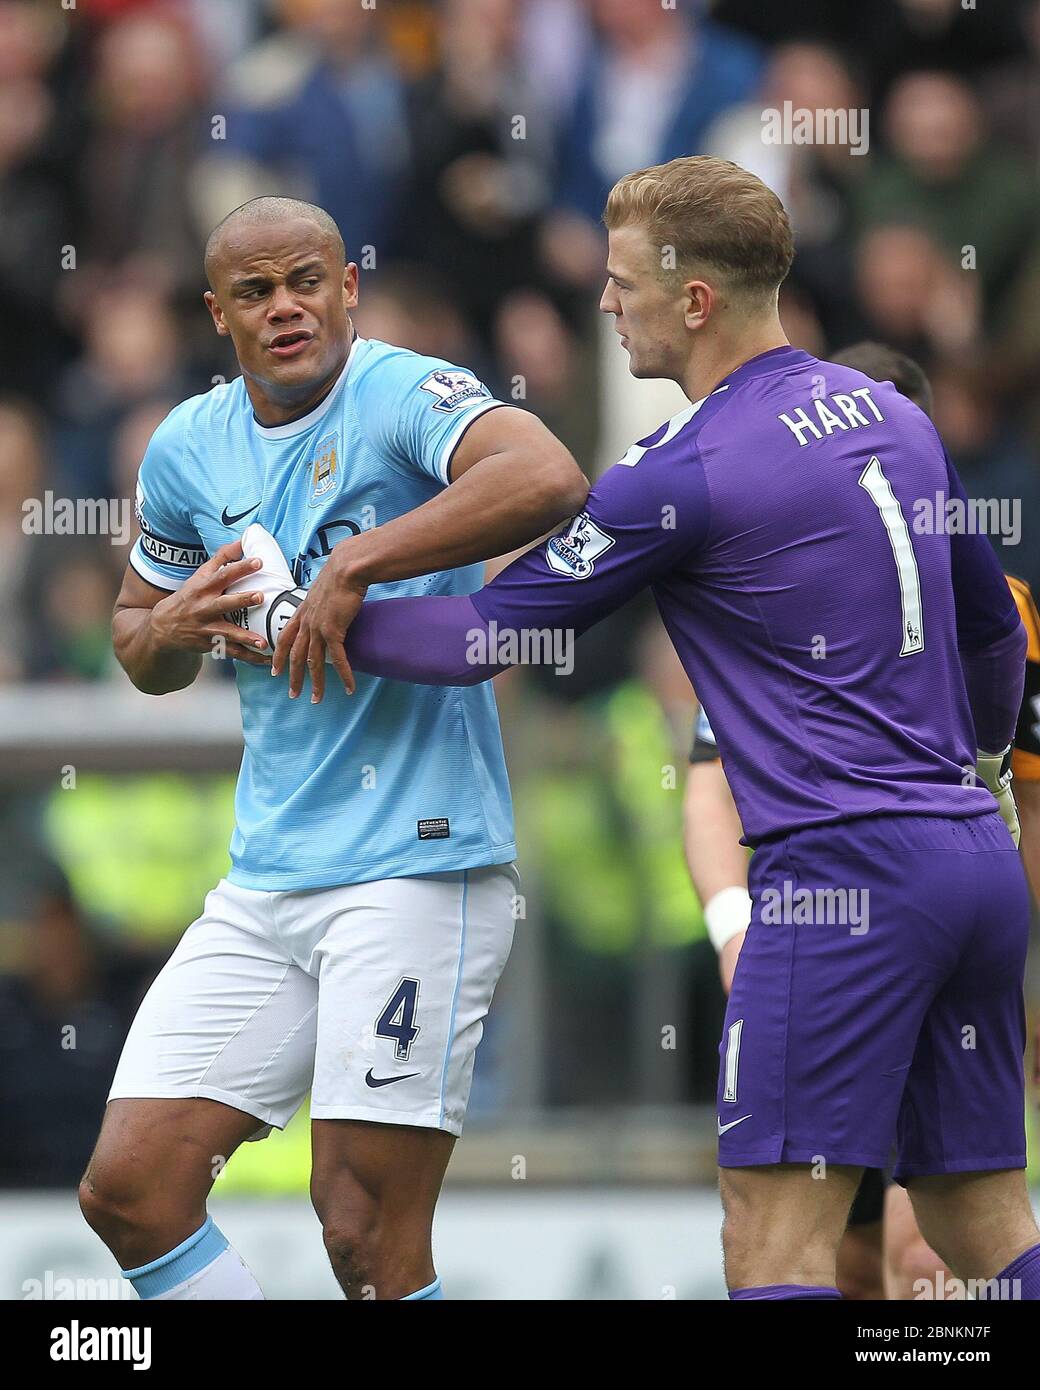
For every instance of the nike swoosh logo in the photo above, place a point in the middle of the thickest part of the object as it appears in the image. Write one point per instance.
(371, 1080)
(230, 520)
(723, 1128)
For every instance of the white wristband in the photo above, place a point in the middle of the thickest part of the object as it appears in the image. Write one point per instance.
(726, 914)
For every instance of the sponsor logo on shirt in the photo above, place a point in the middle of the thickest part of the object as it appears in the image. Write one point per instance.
(453, 389)
(576, 551)
(308, 562)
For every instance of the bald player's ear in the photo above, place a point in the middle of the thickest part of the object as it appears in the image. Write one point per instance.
(216, 312)
(350, 285)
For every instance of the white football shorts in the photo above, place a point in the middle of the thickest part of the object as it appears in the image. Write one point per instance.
(371, 995)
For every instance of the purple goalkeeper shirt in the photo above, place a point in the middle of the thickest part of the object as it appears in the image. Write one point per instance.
(792, 526)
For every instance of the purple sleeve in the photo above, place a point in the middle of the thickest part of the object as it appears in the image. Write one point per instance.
(427, 641)
(995, 678)
(986, 609)
(639, 522)
(990, 637)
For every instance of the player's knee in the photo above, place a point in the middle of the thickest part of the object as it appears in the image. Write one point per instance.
(122, 1210)
(107, 1207)
(859, 1270)
(352, 1241)
(942, 1238)
(914, 1267)
(738, 1229)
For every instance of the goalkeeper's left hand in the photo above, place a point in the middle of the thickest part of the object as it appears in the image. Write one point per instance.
(995, 771)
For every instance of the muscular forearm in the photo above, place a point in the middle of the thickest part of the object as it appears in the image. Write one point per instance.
(153, 668)
(499, 505)
(994, 678)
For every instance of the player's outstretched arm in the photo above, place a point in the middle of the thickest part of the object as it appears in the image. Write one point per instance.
(159, 637)
(639, 523)
(511, 481)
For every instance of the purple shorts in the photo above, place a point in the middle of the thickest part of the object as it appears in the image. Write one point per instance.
(877, 1006)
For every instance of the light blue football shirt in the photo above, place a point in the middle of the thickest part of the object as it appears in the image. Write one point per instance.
(397, 779)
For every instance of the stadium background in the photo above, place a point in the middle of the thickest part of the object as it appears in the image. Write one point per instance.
(466, 148)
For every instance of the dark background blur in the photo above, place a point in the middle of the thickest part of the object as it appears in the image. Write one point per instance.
(466, 148)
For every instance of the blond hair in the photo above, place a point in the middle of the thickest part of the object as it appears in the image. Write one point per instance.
(705, 212)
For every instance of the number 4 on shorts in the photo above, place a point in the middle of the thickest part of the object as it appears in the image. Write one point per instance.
(397, 1021)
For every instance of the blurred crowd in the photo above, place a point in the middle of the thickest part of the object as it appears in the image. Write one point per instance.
(466, 148)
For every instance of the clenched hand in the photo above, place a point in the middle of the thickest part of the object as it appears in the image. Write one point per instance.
(193, 617)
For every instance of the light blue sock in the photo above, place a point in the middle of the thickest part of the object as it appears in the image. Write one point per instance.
(431, 1291)
(186, 1259)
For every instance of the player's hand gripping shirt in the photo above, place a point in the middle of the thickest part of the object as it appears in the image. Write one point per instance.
(799, 529)
(395, 780)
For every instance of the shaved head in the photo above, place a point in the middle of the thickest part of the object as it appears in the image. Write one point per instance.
(268, 211)
(281, 289)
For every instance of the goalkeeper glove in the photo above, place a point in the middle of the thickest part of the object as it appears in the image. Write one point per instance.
(995, 771)
(274, 580)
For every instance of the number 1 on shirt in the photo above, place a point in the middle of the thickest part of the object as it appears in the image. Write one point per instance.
(879, 489)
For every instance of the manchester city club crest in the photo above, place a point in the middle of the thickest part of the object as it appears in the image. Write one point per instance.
(324, 470)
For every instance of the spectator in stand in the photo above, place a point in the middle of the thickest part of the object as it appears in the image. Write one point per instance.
(72, 593)
(651, 87)
(23, 474)
(913, 295)
(812, 180)
(131, 352)
(1011, 93)
(545, 370)
(480, 169)
(406, 306)
(34, 198)
(895, 37)
(890, 37)
(990, 452)
(942, 173)
(318, 111)
(66, 1005)
(556, 38)
(146, 128)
